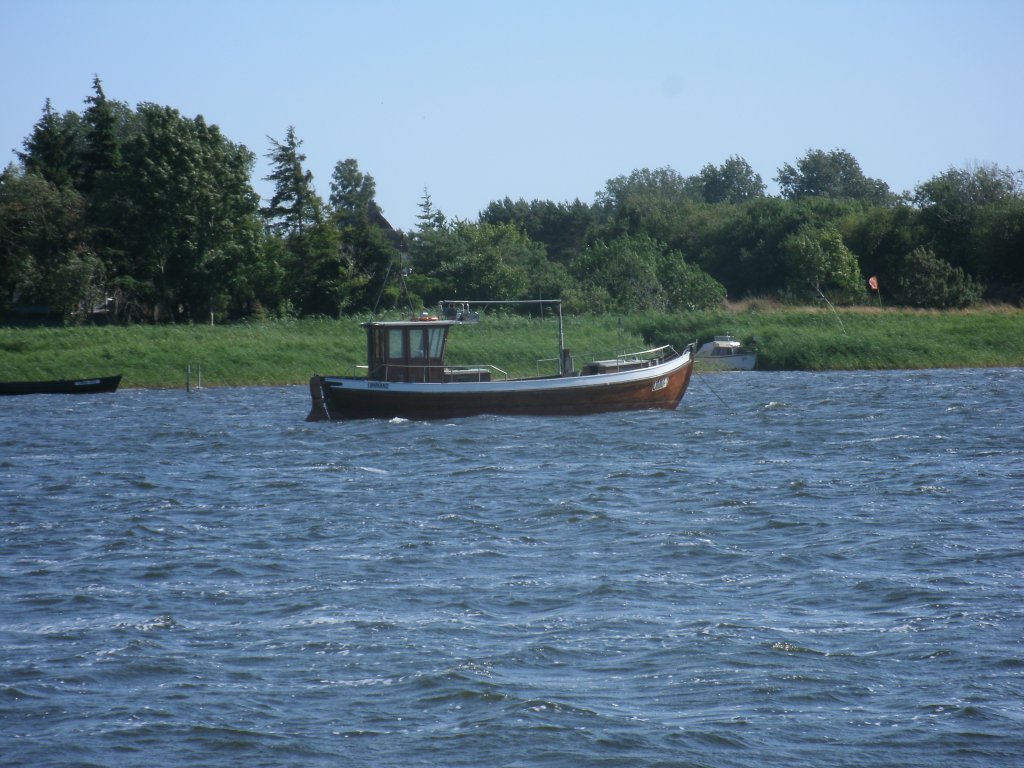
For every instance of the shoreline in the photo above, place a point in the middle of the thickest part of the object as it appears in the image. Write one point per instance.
(289, 352)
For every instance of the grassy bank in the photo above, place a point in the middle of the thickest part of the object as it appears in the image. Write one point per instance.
(817, 339)
(278, 352)
(288, 352)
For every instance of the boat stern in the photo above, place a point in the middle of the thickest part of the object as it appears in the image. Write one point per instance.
(318, 408)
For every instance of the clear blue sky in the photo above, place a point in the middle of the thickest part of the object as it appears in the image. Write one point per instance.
(548, 99)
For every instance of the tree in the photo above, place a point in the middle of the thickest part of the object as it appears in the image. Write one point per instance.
(106, 124)
(956, 214)
(816, 260)
(562, 227)
(50, 150)
(656, 203)
(958, 189)
(740, 245)
(687, 287)
(622, 274)
(316, 273)
(476, 261)
(429, 217)
(295, 205)
(191, 222)
(733, 182)
(999, 242)
(352, 192)
(830, 174)
(881, 237)
(927, 281)
(370, 264)
(101, 154)
(43, 258)
(368, 243)
(636, 273)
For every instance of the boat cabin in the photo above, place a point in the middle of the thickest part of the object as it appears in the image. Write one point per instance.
(722, 346)
(411, 350)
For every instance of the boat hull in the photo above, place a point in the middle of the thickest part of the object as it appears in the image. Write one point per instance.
(745, 361)
(61, 386)
(657, 386)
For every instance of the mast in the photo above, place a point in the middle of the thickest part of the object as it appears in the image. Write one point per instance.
(561, 342)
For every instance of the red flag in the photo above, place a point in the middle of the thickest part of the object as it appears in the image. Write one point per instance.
(873, 282)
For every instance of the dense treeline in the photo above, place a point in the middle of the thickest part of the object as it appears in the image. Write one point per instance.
(144, 214)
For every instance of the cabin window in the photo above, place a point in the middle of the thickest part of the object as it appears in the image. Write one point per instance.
(418, 343)
(436, 342)
(396, 344)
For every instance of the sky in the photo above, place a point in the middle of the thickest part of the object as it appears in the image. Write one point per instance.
(476, 101)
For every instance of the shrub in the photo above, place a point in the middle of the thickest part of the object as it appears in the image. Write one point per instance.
(928, 282)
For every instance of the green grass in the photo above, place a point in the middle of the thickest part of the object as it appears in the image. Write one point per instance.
(288, 352)
(157, 356)
(274, 353)
(815, 339)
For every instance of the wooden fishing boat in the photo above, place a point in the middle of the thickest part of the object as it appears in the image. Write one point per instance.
(61, 386)
(407, 377)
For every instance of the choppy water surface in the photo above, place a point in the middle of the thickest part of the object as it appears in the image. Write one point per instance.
(791, 569)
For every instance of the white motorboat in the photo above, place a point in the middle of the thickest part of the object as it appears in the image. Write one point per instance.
(725, 353)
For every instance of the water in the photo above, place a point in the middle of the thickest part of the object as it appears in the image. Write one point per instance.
(791, 569)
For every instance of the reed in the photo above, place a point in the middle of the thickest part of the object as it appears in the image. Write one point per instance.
(288, 352)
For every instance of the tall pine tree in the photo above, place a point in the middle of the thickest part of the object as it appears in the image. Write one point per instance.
(295, 206)
(49, 151)
(101, 154)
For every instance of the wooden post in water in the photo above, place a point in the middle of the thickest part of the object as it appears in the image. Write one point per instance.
(188, 377)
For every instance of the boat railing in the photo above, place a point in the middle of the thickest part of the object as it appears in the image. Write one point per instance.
(630, 361)
(543, 361)
(354, 371)
(417, 372)
(481, 371)
(655, 353)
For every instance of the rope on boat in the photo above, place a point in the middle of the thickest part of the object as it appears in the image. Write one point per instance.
(731, 409)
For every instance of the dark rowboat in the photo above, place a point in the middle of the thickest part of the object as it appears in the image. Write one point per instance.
(407, 377)
(61, 386)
